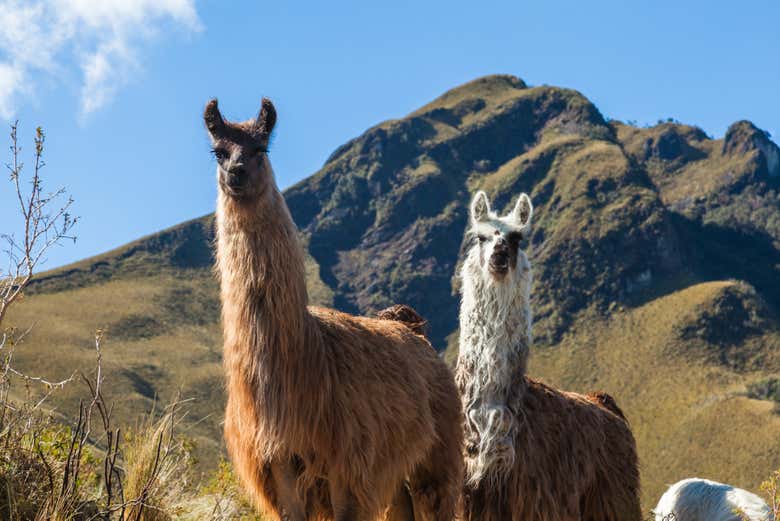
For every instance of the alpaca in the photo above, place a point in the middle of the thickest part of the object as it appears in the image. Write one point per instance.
(327, 414)
(533, 453)
(696, 499)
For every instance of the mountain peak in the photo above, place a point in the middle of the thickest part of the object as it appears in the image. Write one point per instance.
(486, 85)
(494, 87)
(743, 136)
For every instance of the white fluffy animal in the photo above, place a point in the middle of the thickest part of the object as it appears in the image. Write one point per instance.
(697, 499)
(533, 453)
(495, 332)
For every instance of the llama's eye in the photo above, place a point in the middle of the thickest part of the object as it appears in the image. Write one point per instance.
(221, 154)
(481, 238)
(514, 238)
(260, 150)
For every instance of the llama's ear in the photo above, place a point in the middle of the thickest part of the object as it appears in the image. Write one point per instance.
(266, 119)
(214, 122)
(523, 210)
(480, 207)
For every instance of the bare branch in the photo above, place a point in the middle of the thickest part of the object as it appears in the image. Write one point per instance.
(46, 222)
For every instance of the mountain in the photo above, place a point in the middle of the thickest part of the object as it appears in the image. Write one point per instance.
(656, 256)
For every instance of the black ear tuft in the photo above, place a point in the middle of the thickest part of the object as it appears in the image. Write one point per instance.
(267, 117)
(214, 122)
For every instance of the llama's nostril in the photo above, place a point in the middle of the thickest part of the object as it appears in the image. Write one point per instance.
(236, 177)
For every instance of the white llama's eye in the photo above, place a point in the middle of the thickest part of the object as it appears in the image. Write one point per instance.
(514, 238)
(481, 238)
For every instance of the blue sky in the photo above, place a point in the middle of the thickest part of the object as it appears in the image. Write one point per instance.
(119, 85)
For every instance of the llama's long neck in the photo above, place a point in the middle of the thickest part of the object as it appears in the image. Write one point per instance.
(495, 339)
(495, 329)
(263, 289)
(271, 341)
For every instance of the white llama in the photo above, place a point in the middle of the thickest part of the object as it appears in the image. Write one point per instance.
(697, 499)
(533, 452)
(495, 332)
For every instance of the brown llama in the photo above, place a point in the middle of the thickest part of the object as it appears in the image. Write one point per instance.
(533, 452)
(328, 414)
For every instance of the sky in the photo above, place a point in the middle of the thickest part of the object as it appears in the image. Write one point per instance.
(119, 85)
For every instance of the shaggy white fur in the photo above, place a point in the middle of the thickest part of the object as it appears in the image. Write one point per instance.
(697, 499)
(495, 337)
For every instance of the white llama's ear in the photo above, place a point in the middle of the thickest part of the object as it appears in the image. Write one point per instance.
(523, 210)
(480, 207)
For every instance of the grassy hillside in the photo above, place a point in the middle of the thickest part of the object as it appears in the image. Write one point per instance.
(656, 256)
(683, 385)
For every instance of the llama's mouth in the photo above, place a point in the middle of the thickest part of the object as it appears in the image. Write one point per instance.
(232, 190)
(242, 193)
(499, 264)
(237, 194)
(230, 186)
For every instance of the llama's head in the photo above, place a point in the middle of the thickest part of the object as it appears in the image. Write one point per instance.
(241, 149)
(496, 254)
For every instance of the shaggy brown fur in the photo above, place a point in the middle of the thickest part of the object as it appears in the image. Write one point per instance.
(576, 461)
(606, 401)
(405, 315)
(327, 413)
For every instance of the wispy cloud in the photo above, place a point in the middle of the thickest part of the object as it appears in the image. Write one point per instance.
(43, 39)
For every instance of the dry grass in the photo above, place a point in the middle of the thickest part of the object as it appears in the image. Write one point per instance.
(82, 468)
(157, 467)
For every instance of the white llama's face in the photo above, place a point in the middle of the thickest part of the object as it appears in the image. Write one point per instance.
(498, 242)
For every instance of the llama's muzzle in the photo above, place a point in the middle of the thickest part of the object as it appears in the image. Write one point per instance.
(236, 177)
(499, 260)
